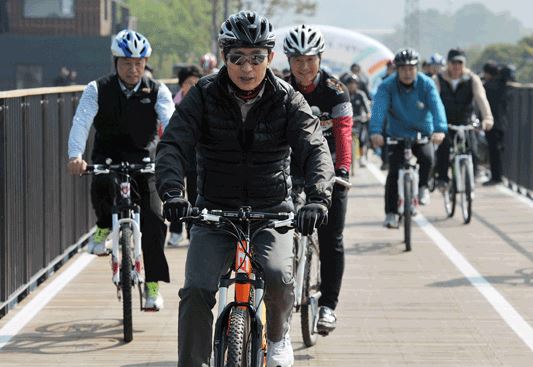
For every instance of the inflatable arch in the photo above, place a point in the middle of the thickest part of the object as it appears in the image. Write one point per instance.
(343, 48)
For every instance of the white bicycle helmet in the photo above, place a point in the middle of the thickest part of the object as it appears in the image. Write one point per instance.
(304, 41)
(128, 43)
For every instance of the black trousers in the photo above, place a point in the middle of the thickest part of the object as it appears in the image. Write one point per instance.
(331, 245)
(425, 157)
(153, 227)
(495, 142)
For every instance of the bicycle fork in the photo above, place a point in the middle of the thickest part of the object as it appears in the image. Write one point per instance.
(136, 272)
(401, 189)
(459, 179)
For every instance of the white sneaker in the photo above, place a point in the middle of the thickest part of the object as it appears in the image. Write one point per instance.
(280, 354)
(175, 239)
(391, 220)
(154, 300)
(362, 161)
(423, 195)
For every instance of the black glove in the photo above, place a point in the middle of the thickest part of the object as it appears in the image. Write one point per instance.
(342, 173)
(175, 206)
(311, 216)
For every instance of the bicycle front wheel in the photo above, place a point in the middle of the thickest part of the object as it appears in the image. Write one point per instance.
(239, 343)
(449, 198)
(408, 201)
(311, 287)
(466, 196)
(125, 281)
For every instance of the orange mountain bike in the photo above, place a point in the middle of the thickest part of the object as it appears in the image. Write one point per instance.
(239, 337)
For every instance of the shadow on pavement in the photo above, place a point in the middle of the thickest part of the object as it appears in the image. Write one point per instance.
(80, 336)
(522, 277)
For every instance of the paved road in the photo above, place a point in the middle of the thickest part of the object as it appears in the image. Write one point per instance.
(462, 297)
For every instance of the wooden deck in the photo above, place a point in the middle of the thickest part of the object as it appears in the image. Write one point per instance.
(396, 308)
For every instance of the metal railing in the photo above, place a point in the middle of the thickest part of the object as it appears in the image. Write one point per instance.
(518, 155)
(43, 210)
(45, 213)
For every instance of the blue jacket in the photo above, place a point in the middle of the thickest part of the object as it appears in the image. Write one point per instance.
(407, 112)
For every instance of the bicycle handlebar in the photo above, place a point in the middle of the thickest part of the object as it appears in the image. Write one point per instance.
(103, 169)
(342, 182)
(461, 127)
(418, 140)
(279, 219)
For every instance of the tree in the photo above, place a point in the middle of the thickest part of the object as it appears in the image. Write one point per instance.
(179, 30)
(520, 55)
(471, 25)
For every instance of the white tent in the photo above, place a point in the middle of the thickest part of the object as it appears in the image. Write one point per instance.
(343, 48)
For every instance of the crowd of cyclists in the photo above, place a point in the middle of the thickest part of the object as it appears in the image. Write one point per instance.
(243, 133)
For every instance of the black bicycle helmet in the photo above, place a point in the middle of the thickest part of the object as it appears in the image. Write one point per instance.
(406, 56)
(246, 29)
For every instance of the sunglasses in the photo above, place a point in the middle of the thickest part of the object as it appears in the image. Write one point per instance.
(255, 59)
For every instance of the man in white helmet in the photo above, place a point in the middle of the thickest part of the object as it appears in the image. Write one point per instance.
(124, 108)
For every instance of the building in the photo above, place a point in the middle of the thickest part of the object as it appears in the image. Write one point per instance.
(39, 37)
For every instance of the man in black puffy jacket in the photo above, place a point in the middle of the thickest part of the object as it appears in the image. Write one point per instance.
(244, 123)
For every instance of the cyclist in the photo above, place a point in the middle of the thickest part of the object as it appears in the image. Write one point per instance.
(435, 63)
(124, 108)
(361, 115)
(459, 88)
(303, 46)
(244, 122)
(410, 103)
(208, 63)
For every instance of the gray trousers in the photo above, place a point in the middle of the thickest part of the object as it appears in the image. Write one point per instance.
(210, 255)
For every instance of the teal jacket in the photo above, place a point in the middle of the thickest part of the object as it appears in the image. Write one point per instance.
(408, 111)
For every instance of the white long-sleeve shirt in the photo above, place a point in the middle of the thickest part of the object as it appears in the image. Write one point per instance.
(88, 108)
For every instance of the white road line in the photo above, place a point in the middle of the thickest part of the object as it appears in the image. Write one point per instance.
(498, 302)
(509, 192)
(28, 312)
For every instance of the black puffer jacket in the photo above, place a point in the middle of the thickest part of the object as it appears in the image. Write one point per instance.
(244, 163)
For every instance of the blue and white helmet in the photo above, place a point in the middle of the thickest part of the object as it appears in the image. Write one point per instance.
(436, 59)
(128, 43)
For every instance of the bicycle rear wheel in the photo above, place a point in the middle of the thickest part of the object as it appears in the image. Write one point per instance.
(408, 201)
(239, 343)
(311, 286)
(125, 281)
(466, 196)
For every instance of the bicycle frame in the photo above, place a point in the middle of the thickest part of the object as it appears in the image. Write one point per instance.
(461, 153)
(248, 281)
(409, 167)
(125, 212)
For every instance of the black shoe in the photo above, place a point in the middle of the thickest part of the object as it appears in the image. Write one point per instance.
(327, 321)
(492, 182)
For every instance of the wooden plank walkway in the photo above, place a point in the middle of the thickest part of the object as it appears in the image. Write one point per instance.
(396, 308)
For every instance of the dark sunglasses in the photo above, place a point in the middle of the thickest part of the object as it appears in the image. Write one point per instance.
(255, 59)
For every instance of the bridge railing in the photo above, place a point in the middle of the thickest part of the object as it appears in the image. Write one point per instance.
(518, 138)
(43, 210)
(45, 213)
